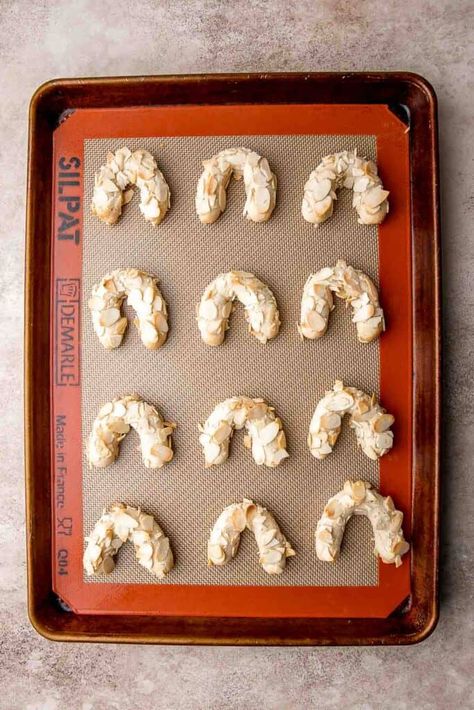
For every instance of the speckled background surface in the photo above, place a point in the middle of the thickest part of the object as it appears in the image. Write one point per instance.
(42, 40)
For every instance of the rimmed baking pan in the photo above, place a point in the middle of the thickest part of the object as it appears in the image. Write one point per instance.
(294, 119)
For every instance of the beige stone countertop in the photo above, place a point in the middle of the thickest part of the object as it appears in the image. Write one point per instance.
(41, 40)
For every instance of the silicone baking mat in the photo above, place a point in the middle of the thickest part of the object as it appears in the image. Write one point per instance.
(186, 378)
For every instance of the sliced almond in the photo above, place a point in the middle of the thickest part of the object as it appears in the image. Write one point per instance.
(320, 189)
(109, 316)
(375, 196)
(222, 433)
(162, 452)
(216, 554)
(268, 433)
(208, 310)
(315, 321)
(383, 423)
(332, 420)
(363, 313)
(212, 451)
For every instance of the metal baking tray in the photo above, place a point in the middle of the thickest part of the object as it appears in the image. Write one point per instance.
(405, 98)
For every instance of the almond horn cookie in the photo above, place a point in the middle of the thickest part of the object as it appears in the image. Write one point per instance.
(114, 421)
(273, 547)
(124, 168)
(358, 498)
(259, 181)
(348, 170)
(369, 420)
(261, 310)
(353, 287)
(121, 523)
(142, 293)
(265, 435)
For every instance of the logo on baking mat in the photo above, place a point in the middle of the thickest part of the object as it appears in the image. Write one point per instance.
(67, 319)
(68, 289)
(68, 201)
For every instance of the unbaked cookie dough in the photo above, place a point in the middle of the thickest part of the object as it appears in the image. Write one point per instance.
(124, 168)
(121, 523)
(369, 420)
(259, 181)
(142, 293)
(359, 498)
(113, 423)
(273, 547)
(265, 436)
(261, 310)
(354, 287)
(345, 169)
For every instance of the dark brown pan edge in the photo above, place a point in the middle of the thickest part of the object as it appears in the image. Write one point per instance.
(399, 90)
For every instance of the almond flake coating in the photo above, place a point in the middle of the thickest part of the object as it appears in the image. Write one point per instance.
(265, 435)
(261, 310)
(358, 498)
(345, 169)
(114, 421)
(352, 286)
(142, 293)
(124, 168)
(121, 523)
(273, 547)
(259, 181)
(369, 420)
